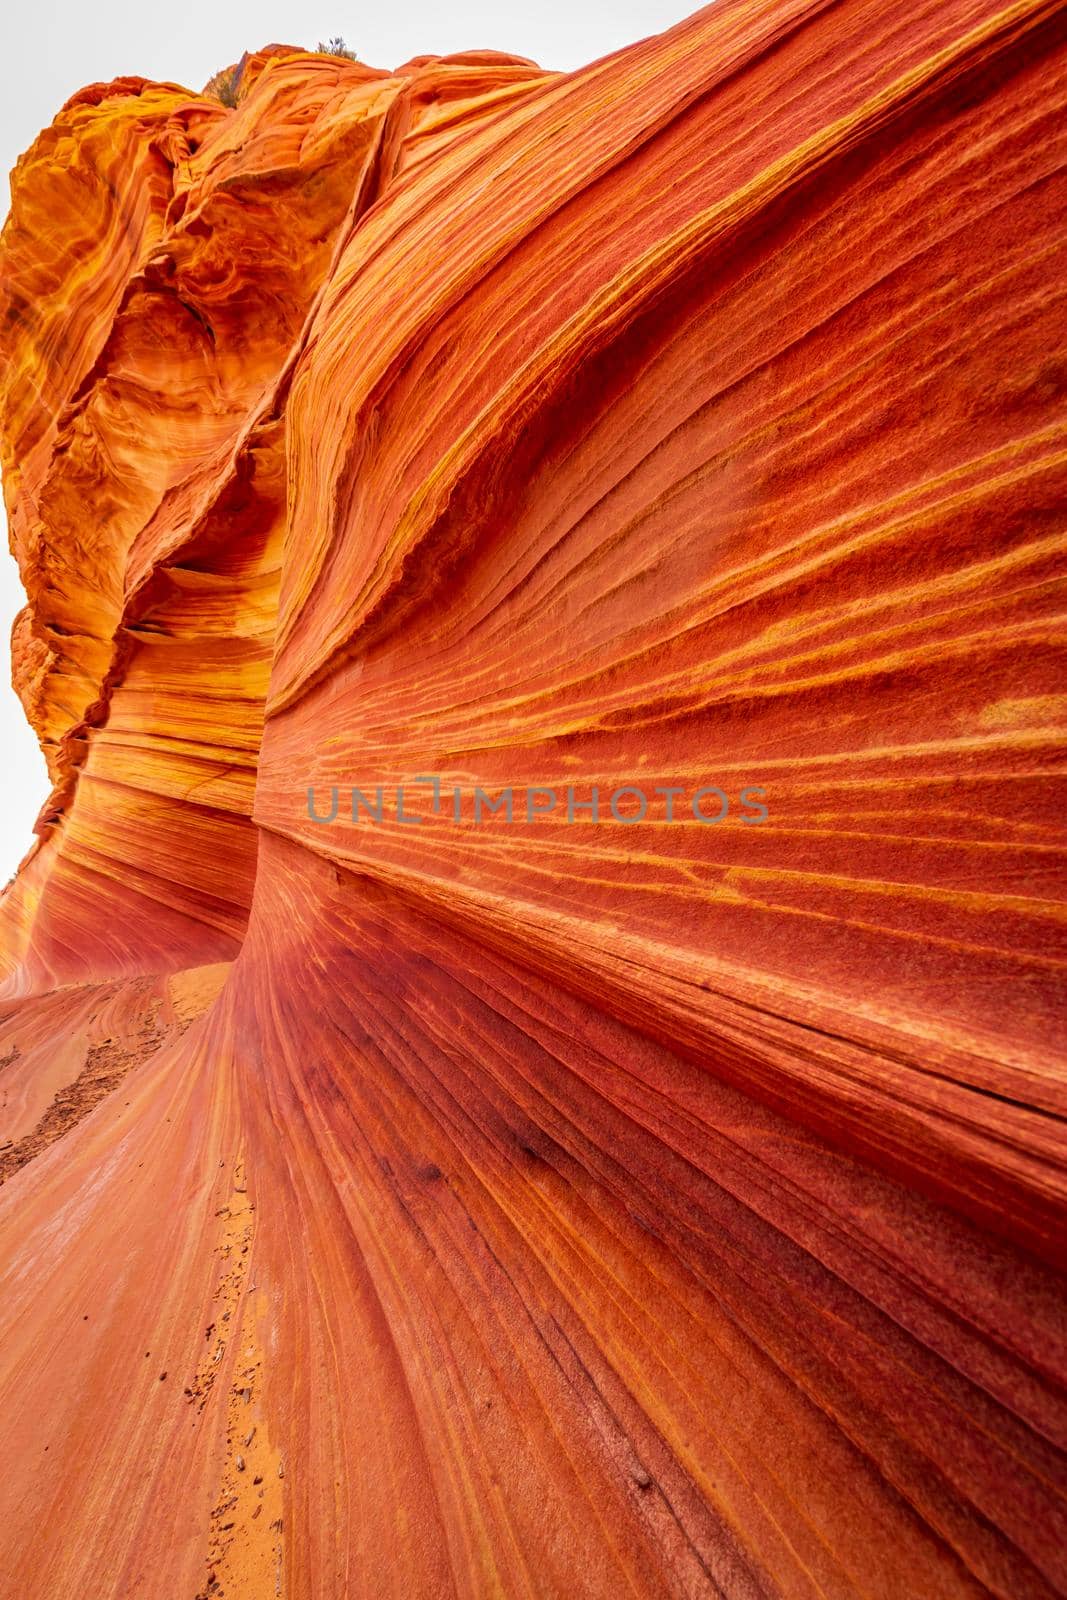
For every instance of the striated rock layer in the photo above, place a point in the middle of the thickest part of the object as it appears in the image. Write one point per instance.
(543, 1207)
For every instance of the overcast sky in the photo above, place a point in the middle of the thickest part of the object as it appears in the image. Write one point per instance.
(49, 49)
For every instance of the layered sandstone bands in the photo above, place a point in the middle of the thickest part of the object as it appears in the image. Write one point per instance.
(544, 1208)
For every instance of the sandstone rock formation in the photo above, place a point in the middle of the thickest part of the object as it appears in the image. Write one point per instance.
(545, 1207)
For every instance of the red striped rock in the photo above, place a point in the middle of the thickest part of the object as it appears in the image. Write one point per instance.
(544, 1206)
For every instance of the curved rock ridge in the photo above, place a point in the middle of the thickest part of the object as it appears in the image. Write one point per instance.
(490, 1189)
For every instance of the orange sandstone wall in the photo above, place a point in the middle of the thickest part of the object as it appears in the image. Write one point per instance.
(543, 1208)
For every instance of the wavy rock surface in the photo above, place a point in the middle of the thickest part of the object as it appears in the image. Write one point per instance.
(543, 1208)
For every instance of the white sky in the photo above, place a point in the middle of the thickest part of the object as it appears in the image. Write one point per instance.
(49, 48)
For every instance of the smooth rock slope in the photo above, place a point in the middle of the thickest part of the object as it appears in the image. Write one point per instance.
(554, 1206)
